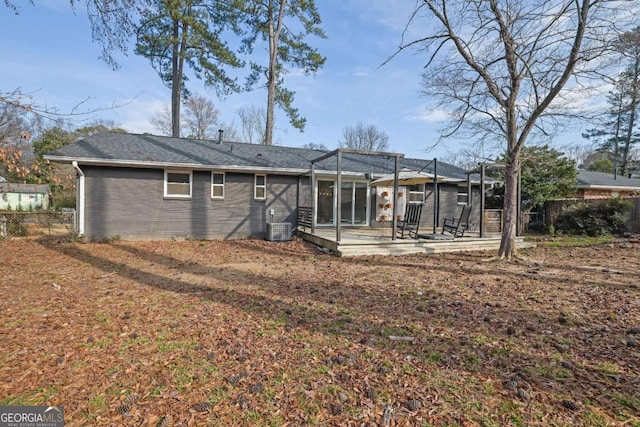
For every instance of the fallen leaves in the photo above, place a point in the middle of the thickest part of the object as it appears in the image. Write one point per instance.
(250, 332)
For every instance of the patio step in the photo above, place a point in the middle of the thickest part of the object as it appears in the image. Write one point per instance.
(347, 250)
(362, 242)
(381, 249)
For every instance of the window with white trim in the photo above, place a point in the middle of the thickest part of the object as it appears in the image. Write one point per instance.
(217, 185)
(416, 193)
(463, 195)
(177, 184)
(260, 190)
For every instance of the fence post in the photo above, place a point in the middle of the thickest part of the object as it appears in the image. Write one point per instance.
(74, 221)
(3, 226)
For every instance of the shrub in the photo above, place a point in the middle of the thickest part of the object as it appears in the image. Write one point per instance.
(67, 201)
(594, 219)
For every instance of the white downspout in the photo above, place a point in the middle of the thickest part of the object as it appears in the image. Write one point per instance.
(80, 198)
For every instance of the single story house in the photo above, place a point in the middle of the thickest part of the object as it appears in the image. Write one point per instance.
(24, 196)
(152, 187)
(600, 185)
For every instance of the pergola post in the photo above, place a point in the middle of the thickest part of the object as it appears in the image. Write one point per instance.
(394, 222)
(469, 190)
(314, 195)
(436, 196)
(483, 169)
(339, 198)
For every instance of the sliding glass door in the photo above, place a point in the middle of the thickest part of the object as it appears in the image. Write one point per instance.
(354, 203)
(325, 203)
(359, 204)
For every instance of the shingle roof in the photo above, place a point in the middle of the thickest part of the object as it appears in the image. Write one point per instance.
(7, 187)
(159, 151)
(588, 179)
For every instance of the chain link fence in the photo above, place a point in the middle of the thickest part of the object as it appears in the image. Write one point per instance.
(20, 224)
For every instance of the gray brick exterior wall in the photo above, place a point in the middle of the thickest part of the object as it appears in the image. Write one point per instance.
(130, 203)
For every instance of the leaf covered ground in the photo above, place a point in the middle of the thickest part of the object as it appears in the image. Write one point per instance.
(256, 333)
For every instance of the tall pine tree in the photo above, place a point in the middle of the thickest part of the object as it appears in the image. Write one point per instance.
(274, 21)
(179, 34)
(619, 133)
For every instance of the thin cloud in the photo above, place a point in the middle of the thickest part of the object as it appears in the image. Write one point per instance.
(134, 116)
(435, 115)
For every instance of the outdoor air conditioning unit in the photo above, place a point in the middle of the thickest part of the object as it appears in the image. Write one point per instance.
(278, 231)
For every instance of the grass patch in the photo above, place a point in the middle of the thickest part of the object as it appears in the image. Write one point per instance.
(101, 317)
(36, 397)
(97, 406)
(573, 241)
(627, 401)
(165, 345)
(182, 375)
(218, 394)
(607, 368)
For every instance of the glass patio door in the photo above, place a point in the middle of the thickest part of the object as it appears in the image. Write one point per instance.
(346, 210)
(360, 204)
(353, 209)
(325, 203)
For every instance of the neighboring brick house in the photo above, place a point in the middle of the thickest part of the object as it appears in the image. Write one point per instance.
(151, 187)
(600, 185)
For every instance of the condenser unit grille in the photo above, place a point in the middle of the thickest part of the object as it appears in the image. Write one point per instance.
(278, 231)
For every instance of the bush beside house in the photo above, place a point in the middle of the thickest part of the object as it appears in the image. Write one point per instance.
(604, 217)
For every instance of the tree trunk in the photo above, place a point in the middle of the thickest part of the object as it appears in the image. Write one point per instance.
(179, 44)
(508, 248)
(272, 75)
(633, 107)
(176, 82)
(616, 141)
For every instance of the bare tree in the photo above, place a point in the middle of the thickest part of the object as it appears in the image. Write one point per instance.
(161, 121)
(229, 131)
(366, 138)
(253, 123)
(468, 158)
(502, 67)
(13, 123)
(579, 152)
(201, 118)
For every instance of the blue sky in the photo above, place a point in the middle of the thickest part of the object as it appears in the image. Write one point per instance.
(47, 50)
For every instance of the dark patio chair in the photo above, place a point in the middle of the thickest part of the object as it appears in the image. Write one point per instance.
(457, 226)
(411, 221)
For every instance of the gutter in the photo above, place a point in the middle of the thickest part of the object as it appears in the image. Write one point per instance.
(168, 165)
(192, 166)
(607, 187)
(80, 199)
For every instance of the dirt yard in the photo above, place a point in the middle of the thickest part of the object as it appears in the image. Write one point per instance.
(253, 333)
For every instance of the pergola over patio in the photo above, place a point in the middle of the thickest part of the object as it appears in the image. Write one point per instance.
(402, 177)
(338, 154)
